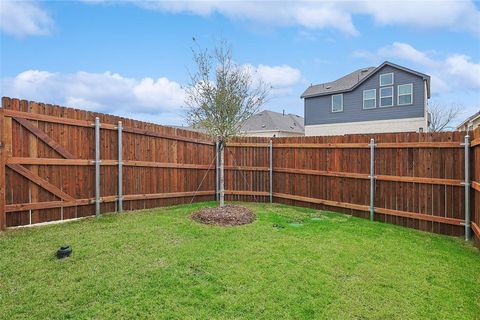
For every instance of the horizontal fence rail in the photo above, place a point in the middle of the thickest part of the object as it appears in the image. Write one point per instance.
(346, 145)
(418, 179)
(49, 170)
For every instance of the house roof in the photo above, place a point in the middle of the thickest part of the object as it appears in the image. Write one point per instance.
(267, 120)
(354, 79)
(189, 128)
(472, 117)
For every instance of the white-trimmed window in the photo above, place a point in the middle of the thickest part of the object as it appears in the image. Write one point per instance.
(386, 97)
(369, 99)
(337, 103)
(386, 79)
(405, 94)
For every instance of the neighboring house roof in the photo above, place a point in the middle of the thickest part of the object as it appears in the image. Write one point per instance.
(274, 121)
(354, 79)
(471, 118)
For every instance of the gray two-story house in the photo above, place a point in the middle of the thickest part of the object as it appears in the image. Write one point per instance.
(387, 98)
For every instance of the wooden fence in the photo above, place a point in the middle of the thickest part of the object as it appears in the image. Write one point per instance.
(48, 164)
(418, 178)
(47, 170)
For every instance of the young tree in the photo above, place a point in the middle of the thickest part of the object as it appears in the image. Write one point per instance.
(221, 96)
(442, 116)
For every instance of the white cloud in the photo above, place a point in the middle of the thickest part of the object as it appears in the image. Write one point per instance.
(307, 14)
(151, 93)
(464, 70)
(104, 92)
(407, 52)
(451, 72)
(456, 15)
(24, 18)
(156, 100)
(281, 78)
(450, 14)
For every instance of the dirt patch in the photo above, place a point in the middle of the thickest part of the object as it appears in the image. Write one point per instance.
(229, 215)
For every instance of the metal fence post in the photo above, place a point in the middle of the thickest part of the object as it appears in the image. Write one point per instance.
(216, 171)
(97, 166)
(467, 187)
(120, 167)
(222, 173)
(270, 169)
(372, 179)
(3, 159)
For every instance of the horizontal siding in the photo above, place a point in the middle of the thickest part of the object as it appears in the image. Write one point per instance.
(318, 110)
(363, 127)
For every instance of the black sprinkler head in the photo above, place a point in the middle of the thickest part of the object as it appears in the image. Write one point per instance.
(64, 251)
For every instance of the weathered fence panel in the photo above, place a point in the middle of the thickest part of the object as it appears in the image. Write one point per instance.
(418, 177)
(47, 170)
(50, 169)
(247, 170)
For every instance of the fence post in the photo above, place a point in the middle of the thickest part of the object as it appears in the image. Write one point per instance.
(270, 169)
(216, 171)
(3, 215)
(372, 179)
(222, 173)
(120, 167)
(466, 145)
(97, 166)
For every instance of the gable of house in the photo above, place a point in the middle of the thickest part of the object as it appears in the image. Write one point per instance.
(318, 110)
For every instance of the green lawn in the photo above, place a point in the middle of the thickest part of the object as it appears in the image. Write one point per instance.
(312, 264)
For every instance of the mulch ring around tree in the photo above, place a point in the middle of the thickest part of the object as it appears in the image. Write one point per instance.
(228, 215)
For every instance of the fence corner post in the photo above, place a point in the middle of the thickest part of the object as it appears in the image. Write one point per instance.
(120, 167)
(270, 169)
(97, 166)
(3, 215)
(466, 145)
(372, 179)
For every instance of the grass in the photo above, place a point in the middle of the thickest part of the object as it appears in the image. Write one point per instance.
(290, 263)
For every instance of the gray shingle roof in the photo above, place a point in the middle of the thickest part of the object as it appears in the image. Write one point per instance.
(270, 120)
(342, 84)
(350, 81)
(472, 117)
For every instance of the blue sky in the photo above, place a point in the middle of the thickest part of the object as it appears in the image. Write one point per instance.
(131, 58)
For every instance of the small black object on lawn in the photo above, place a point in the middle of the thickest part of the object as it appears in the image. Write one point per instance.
(64, 251)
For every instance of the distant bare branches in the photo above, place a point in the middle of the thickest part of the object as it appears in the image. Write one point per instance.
(442, 116)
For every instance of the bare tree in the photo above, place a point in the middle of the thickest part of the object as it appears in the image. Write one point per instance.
(221, 96)
(442, 116)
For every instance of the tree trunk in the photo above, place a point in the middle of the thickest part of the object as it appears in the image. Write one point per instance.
(222, 172)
